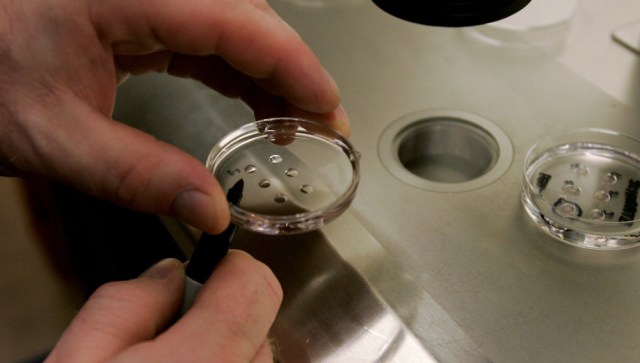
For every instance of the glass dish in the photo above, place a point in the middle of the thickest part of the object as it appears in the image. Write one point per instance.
(298, 175)
(542, 24)
(582, 188)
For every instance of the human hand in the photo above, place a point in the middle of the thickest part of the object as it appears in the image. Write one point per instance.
(125, 321)
(61, 61)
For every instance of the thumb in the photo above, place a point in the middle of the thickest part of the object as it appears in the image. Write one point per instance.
(121, 314)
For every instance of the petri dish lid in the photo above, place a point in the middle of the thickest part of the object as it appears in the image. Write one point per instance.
(298, 174)
(582, 188)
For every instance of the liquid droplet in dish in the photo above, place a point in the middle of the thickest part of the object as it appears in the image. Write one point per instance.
(280, 198)
(275, 159)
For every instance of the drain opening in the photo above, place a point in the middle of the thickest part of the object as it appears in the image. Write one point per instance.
(445, 150)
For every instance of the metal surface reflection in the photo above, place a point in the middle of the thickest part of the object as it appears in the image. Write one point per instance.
(329, 311)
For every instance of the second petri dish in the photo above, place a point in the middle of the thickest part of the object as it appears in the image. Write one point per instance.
(582, 188)
(298, 174)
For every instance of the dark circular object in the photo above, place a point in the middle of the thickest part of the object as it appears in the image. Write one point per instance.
(451, 13)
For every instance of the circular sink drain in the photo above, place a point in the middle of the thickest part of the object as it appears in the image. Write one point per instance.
(445, 150)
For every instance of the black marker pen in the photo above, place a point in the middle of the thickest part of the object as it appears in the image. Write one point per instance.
(209, 251)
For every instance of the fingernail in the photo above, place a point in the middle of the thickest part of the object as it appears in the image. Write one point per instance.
(341, 114)
(162, 270)
(195, 208)
(342, 123)
(332, 81)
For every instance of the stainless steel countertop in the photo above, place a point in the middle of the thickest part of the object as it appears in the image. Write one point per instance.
(409, 274)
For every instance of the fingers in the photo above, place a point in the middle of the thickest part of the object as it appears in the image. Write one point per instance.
(245, 296)
(336, 119)
(123, 321)
(246, 34)
(111, 160)
(217, 74)
(122, 314)
(228, 321)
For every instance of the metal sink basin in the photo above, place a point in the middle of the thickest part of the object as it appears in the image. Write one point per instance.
(419, 273)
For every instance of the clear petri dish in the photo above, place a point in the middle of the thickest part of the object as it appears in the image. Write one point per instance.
(298, 175)
(582, 188)
(542, 24)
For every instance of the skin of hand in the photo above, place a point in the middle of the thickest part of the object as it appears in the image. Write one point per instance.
(126, 321)
(61, 62)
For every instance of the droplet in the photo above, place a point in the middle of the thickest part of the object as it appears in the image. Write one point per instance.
(306, 189)
(280, 198)
(610, 178)
(570, 188)
(567, 209)
(275, 159)
(602, 196)
(250, 169)
(264, 183)
(580, 169)
(291, 172)
(233, 172)
(597, 214)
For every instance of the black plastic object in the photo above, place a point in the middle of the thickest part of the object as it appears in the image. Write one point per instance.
(451, 13)
(212, 248)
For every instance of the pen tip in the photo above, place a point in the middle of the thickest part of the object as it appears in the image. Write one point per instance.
(235, 192)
